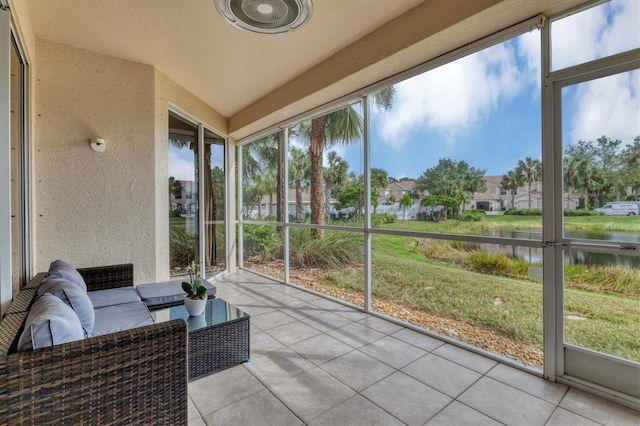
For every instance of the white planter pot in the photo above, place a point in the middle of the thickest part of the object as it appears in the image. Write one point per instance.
(195, 307)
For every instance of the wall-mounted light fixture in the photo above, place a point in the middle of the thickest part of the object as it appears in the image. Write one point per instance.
(98, 145)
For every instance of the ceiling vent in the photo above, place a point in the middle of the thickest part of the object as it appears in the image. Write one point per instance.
(265, 16)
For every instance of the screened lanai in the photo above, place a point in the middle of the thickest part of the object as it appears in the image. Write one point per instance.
(436, 167)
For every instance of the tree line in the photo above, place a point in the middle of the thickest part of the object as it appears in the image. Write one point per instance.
(600, 170)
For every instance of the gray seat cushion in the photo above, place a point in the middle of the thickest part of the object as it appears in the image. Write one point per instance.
(72, 296)
(50, 322)
(169, 292)
(113, 296)
(61, 269)
(126, 316)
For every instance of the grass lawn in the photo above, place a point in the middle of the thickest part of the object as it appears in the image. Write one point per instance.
(520, 223)
(513, 307)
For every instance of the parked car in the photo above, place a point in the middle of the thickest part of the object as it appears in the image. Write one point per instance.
(619, 209)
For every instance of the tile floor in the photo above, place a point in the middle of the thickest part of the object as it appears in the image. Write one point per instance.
(317, 362)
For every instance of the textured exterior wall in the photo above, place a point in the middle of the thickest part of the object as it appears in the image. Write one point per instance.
(94, 208)
(169, 94)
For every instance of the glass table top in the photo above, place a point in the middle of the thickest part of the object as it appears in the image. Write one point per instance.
(216, 312)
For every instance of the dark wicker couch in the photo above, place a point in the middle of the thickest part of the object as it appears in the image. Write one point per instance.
(137, 376)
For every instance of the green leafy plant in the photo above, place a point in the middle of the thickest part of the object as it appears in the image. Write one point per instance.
(194, 289)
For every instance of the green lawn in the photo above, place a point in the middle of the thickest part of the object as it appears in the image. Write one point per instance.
(520, 223)
(402, 273)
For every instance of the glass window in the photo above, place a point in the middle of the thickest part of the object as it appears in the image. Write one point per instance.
(263, 249)
(333, 264)
(214, 204)
(598, 32)
(486, 295)
(262, 179)
(18, 172)
(601, 170)
(326, 181)
(453, 140)
(602, 295)
(183, 183)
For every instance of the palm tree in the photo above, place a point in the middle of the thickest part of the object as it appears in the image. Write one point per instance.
(570, 168)
(299, 173)
(404, 203)
(335, 176)
(531, 171)
(338, 127)
(379, 179)
(261, 168)
(511, 182)
(175, 189)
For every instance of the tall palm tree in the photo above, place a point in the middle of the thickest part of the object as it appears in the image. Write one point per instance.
(335, 176)
(261, 169)
(405, 202)
(379, 179)
(299, 174)
(531, 171)
(570, 168)
(175, 189)
(511, 182)
(338, 127)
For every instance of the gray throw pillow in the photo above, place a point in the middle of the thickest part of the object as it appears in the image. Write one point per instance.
(50, 322)
(62, 269)
(72, 296)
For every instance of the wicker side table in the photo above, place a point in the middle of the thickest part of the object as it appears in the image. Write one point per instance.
(218, 339)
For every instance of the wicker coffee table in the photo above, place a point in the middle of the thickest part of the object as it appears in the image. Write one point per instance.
(218, 339)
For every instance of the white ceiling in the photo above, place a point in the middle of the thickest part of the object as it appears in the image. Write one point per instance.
(188, 41)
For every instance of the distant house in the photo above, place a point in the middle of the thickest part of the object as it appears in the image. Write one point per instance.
(396, 190)
(493, 198)
(268, 204)
(496, 198)
(187, 200)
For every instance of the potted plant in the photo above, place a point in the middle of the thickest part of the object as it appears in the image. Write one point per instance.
(196, 298)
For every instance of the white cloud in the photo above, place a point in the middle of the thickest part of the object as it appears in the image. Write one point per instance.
(608, 106)
(594, 33)
(179, 167)
(451, 98)
(529, 48)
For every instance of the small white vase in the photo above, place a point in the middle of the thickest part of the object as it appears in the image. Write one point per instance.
(195, 307)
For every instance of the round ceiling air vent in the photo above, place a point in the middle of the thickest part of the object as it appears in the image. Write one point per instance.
(265, 16)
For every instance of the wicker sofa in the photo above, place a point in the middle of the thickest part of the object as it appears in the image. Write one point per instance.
(136, 376)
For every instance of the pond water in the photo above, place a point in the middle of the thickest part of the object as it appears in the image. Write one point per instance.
(534, 255)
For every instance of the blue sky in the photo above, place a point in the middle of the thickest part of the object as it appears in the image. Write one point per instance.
(485, 108)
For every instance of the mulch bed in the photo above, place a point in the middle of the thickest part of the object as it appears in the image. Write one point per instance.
(488, 340)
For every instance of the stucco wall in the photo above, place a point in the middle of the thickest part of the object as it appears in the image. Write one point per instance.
(169, 94)
(94, 208)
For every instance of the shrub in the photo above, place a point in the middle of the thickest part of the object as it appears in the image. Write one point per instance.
(472, 216)
(182, 245)
(496, 264)
(174, 213)
(523, 212)
(261, 241)
(335, 249)
(581, 212)
(382, 219)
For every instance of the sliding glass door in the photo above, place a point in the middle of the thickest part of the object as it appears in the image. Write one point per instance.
(14, 164)
(197, 197)
(19, 167)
